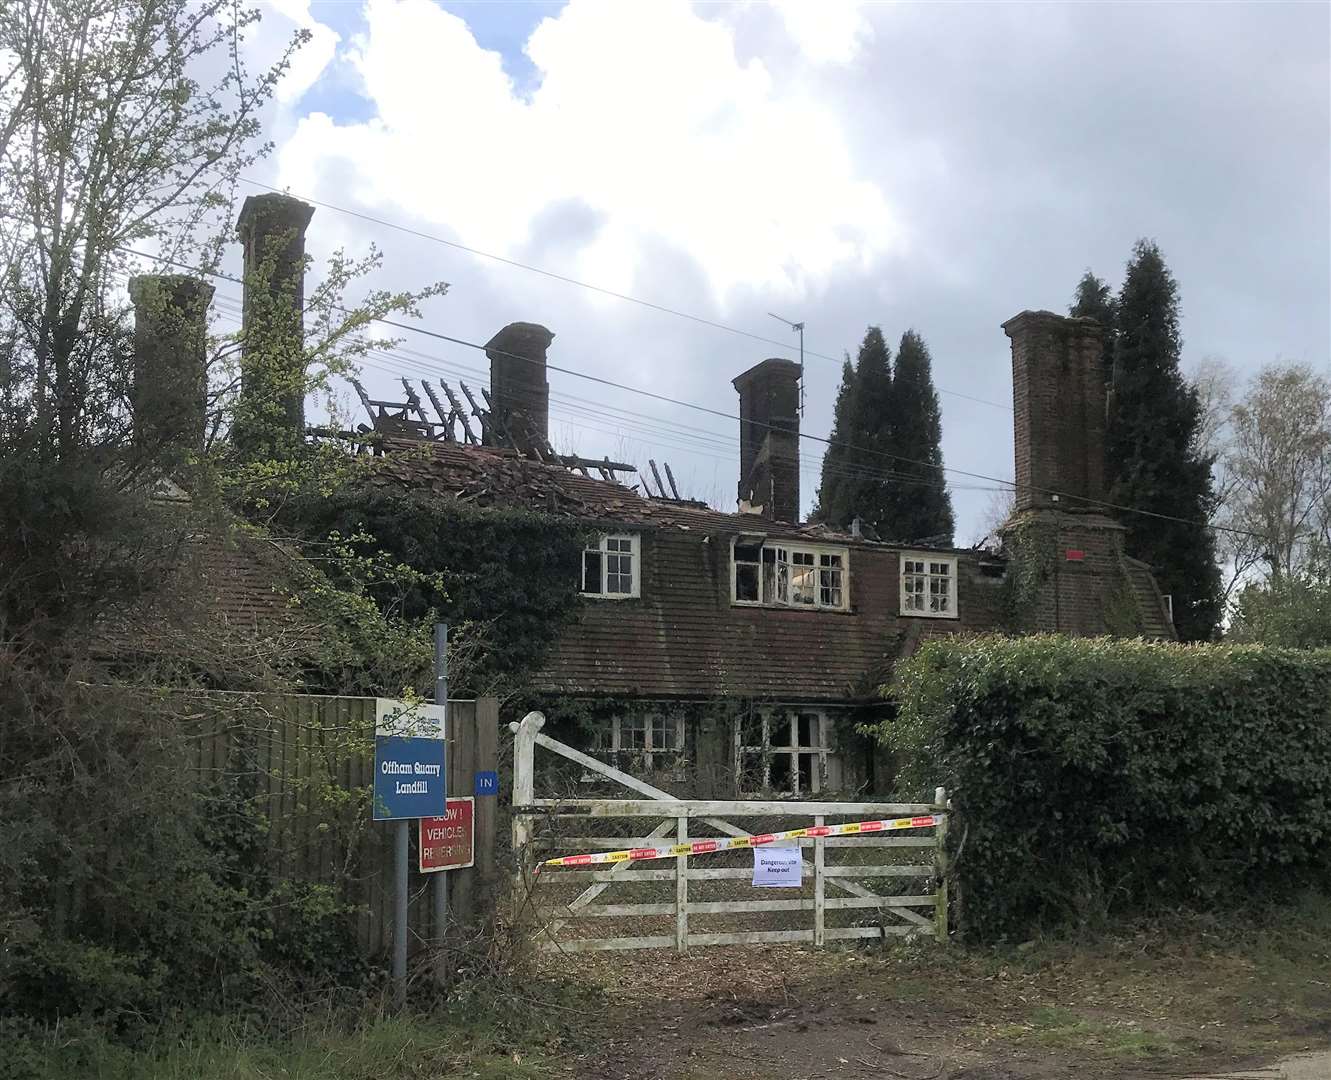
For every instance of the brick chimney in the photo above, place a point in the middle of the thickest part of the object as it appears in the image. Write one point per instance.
(769, 439)
(170, 390)
(519, 392)
(1058, 398)
(272, 400)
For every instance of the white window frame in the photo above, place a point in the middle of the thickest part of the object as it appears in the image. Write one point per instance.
(918, 568)
(645, 757)
(782, 586)
(603, 549)
(780, 737)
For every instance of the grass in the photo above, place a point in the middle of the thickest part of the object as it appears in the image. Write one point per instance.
(1249, 984)
(487, 1037)
(1065, 1029)
(1185, 991)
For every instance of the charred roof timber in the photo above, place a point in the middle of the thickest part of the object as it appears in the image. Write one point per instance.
(769, 439)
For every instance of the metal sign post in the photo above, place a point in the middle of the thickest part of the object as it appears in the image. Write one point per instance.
(409, 782)
(440, 894)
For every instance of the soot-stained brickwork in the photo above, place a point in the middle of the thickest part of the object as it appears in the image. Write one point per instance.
(769, 438)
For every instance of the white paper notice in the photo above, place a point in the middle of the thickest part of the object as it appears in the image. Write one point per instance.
(777, 867)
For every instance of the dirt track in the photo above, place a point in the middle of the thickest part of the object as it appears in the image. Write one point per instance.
(787, 1013)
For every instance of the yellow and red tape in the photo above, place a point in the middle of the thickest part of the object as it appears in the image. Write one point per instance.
(707, 847)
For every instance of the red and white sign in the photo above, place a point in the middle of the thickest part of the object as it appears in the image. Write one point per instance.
(449, 842)
(1076, 555)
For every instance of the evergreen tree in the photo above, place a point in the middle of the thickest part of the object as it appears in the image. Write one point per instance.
(849, 488)
(1152, 458)
(1095, 300)
(831, 494)
(919, 506)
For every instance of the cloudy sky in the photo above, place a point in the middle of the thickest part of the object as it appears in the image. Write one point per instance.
(935, 166)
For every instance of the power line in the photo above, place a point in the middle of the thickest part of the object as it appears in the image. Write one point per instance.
(660, 429)
(785, 346)
(1086, 500)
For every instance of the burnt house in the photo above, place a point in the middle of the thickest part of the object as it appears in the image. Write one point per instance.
(735, 652)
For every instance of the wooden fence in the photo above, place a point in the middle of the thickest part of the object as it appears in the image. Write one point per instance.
(308, 760)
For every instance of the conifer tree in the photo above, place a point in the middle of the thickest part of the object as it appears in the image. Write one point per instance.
(1095, 300)
(1152, 459)
(853, 461)
(830, 489)
(919, 506)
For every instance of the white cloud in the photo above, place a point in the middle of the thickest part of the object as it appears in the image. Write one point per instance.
(311, 60)
(827, 31)
(641, 114)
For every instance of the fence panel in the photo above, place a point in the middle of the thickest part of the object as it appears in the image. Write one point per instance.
(308, 760)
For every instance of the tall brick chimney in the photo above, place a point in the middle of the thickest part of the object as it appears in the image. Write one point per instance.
(519, 392)
(170, 390)
(769, 438)
(271, 411)
(1058, 398)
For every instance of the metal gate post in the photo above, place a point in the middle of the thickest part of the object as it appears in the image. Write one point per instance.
(682, 890)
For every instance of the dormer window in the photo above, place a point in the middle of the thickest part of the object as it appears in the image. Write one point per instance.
(928, 586)
(610, 567)
(779, 574)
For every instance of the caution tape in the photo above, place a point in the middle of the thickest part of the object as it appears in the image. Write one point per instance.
(708, 847)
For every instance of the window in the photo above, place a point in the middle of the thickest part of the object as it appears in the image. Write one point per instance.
(610, 569)
(789, 576)
(785, 752)
(928, 586)
(644, 742)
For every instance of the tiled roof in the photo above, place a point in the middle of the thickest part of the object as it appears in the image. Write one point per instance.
(226, 588)
(487, 476)
(683, 637)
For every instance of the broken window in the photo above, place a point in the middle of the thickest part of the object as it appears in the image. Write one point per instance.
(748, 570)
(790, 576)
(610, 567)
(783, 752)
(929, 586)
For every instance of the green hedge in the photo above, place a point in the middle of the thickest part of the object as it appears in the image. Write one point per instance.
(1096, 777)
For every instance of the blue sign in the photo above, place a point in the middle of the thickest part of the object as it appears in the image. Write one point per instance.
(487, 783)
(408, 778)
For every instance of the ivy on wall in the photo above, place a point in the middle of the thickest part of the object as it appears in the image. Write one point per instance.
(1031, 546)
(506, 580)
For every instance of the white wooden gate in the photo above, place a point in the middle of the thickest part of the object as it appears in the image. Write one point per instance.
(915, 863)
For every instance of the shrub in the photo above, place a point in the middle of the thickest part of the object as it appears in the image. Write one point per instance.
(1097, 776)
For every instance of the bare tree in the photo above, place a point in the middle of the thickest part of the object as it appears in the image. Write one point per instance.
(997, 509)
(109, 141)
(1278, 466)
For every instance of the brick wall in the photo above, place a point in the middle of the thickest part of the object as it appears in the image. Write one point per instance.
(769, 436)
(1085, 571)
(1058, 400)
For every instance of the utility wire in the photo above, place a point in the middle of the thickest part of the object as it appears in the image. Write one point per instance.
(383, 223)
(705, 443)
(1083, 499)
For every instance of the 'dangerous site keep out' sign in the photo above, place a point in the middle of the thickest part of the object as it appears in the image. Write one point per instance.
(777, 867)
